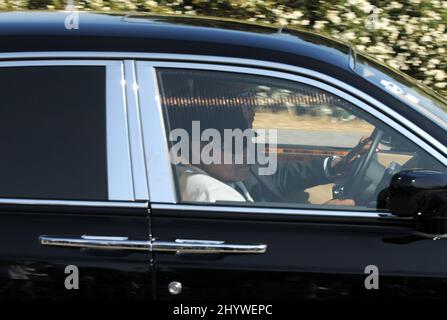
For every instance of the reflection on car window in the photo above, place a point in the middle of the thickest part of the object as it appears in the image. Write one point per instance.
(403, 87)
(260, 141)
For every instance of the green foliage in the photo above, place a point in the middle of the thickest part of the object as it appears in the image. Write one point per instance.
(409, 35)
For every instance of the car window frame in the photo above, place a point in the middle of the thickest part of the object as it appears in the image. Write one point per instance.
(134, 98)
(163, 193)
(122, 121)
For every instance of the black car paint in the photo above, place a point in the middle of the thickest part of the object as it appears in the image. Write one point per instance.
(308, 256)
(29, 270)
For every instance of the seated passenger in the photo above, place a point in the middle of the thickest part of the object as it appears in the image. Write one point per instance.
(202, 181)
(213, 182)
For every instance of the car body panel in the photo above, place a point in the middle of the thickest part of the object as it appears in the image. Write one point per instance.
(306, 258)
(32, 271)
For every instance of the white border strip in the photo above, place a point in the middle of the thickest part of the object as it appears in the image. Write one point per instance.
(160, 178)
(139, 172)
(119, 169)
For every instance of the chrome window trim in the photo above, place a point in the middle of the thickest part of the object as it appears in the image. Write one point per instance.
(73, 203)
(230, 60)
(277, 211)
(139, 172)
(119, 179)
(160, 177)
(119, 167)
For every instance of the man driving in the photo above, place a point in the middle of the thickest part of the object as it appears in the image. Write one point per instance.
(231, 106)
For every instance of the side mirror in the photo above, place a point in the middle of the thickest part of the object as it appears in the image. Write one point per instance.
(421, 194)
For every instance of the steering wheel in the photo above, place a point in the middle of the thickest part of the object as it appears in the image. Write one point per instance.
(357, 173)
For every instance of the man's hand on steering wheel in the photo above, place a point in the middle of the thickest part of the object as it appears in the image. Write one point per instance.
(340, 166)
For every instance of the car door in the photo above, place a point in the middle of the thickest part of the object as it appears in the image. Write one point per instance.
(73, 218)
(212, 242)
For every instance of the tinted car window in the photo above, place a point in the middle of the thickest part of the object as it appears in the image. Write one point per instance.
(53, 132)
(286, 139)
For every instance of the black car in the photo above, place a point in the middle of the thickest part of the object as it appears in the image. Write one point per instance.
(93, 205)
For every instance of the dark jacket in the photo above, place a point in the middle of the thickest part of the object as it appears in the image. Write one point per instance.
(291, 177)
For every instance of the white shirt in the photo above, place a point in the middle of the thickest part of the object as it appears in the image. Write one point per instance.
(198, 186)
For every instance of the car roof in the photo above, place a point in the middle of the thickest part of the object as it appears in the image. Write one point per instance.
(45, 31)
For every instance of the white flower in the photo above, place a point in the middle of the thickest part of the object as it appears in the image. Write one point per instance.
(364, 39)
(350, 16)
(151, 3)
(333, 16)
(296, 14)
(426, 38)
(304, 22)
(319, 24)
(350, 35)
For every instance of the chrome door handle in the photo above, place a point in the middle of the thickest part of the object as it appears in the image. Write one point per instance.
(96, 242)
(177, 246)
(205, 246)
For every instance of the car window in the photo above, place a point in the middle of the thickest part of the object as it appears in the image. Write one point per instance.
(406, 89)
(261, 141)
(53, 132)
